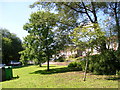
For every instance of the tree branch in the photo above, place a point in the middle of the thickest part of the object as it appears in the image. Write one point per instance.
(94, 12)
(74, 9)
(84, 8)
(87, 13)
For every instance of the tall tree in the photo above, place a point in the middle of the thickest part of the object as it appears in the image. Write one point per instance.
(11, 45)
(81, 12)
(32, 50)
(113, 10)
(42, 26)
(86, 36)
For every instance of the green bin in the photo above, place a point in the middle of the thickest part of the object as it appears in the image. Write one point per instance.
(8, 72)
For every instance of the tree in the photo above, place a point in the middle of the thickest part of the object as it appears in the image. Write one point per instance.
(11, 45)
(81, 12)
(32, 51)
(85, 36)
(42, 26)
(112, 10)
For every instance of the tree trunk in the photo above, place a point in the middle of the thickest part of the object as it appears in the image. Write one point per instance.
(48, 57)
(84, 79)
(39, 61)
(117, 24)
(40, 64)
(55, 56)
(48, 63)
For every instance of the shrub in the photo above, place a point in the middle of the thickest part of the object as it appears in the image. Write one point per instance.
(105, 63)
(79, 58)
(80, 65)
(75, 65)
(73, 56)
(60, 59)
(83, 62)
(117, 54)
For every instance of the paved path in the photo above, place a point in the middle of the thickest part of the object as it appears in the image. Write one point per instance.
(57, 63)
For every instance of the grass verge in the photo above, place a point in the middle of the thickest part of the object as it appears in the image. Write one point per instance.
(58, 77)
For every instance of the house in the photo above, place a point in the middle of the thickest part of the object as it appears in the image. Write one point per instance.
(111, 43)
(70, 52)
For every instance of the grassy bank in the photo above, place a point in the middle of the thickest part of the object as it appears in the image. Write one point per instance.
(58, 77)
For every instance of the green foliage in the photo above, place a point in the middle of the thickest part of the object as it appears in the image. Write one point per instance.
(79, 58)
(32, 52)
(11, 45)
(104, 63)
(84, 37)
(60, 59)
(117, 55)
(73, 56)
(87, 34)
(42, 41)
(73, 12)
(75, 65)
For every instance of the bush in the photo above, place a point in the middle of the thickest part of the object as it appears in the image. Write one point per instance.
(105, 63)
(75, 65)
(82, 61)
(73, 56)
(60, 59)
(79, 58)
(117, 54)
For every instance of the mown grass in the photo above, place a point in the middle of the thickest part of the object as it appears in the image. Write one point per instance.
(58, 77)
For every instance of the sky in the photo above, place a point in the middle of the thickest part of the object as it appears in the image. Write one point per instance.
(14, 14)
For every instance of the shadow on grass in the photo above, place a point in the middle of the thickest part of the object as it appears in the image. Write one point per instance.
(56, 70)
(113, 78)
(15, 77)
(10, 79)
(16, 67)
(45, 66)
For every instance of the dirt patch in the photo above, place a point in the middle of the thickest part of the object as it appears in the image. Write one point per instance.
(62, 63)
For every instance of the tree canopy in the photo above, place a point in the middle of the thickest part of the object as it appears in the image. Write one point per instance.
(84, 12)
(43, 40)
(11, 45)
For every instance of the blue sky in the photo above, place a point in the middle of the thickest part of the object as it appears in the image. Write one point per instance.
(13, 15)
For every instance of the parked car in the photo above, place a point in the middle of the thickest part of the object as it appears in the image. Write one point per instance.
(15, 63)
(2, 65)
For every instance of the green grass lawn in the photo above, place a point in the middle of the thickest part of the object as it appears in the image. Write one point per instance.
(59, 77)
